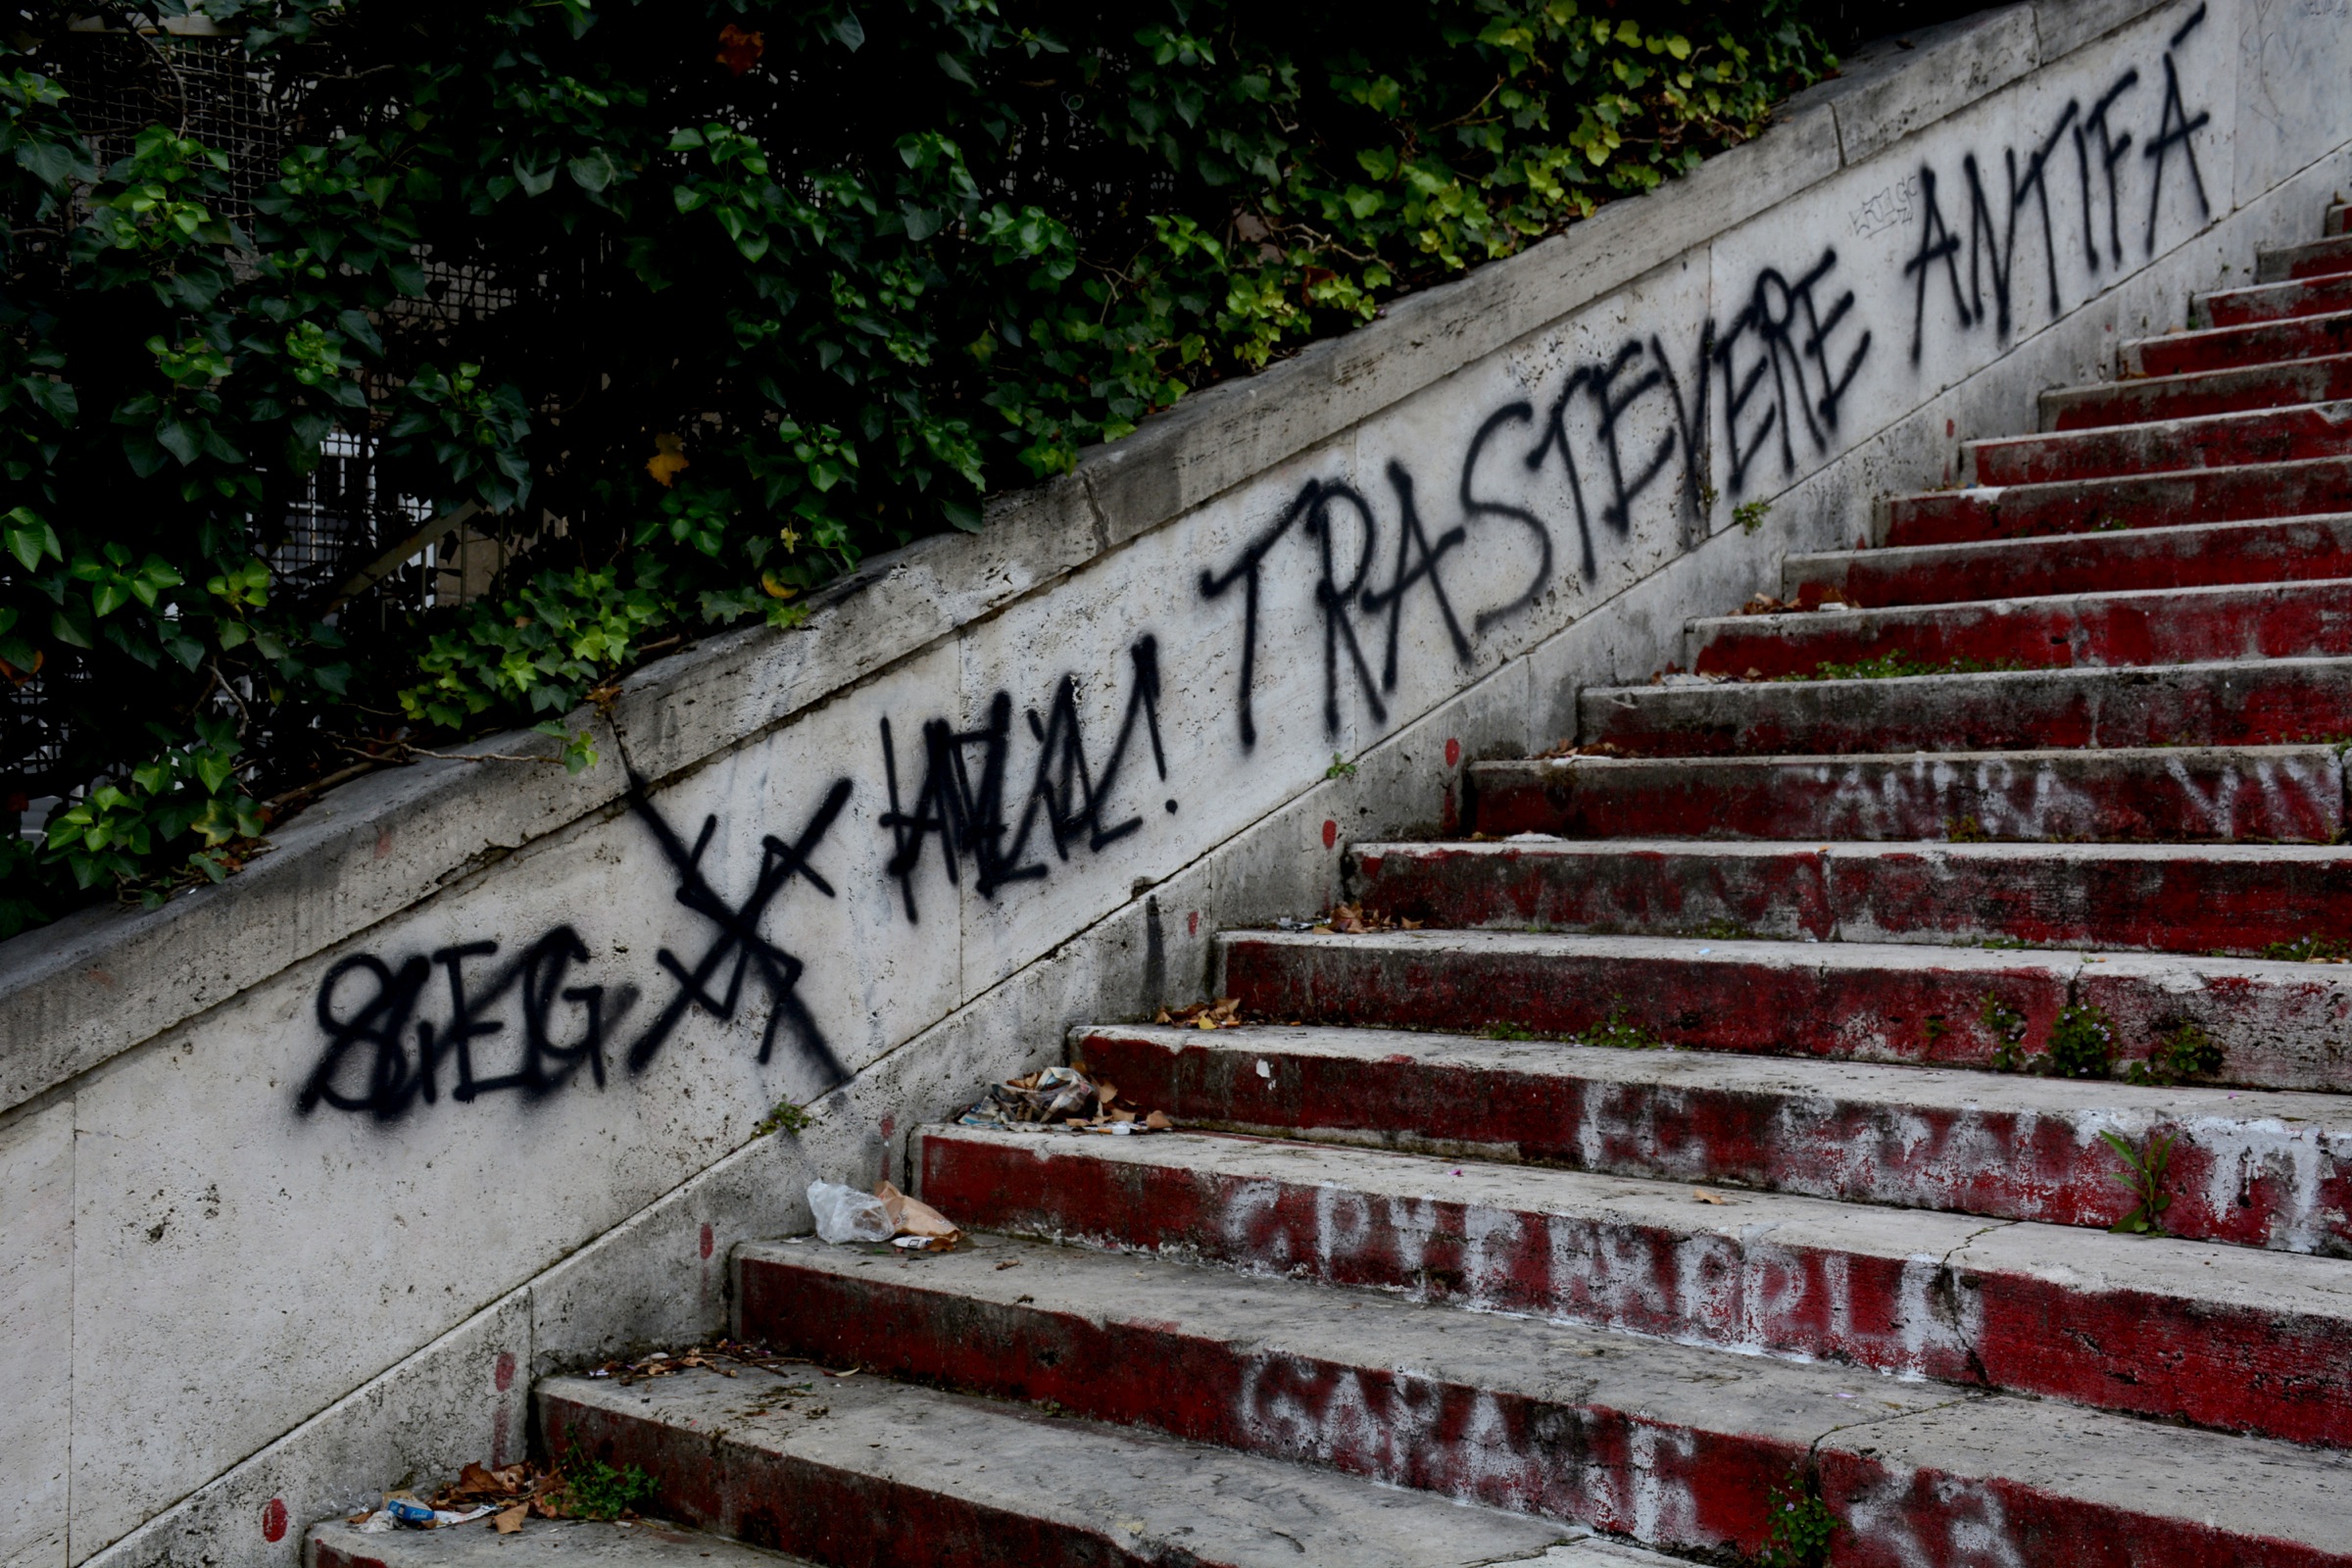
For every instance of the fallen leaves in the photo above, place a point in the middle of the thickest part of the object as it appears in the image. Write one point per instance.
(1701, 1195)
(1066, 1098)
(1223, 1013)
(739, 50)
(668, 459)
(1351, 920)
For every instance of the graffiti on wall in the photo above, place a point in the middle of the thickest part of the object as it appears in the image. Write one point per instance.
(1661, 427)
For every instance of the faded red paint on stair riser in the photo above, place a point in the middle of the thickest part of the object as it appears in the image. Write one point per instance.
(816, 1511)
(2154, 501)
(2225, 347)
(2246, 705)
(2273, 435)
(2192, 397)
(2235, 1183)
(2294, 550)
(2088, 796)
(2162, 902)
(1677, 1486)
(2252, 620)
(2276, 302)
(2320, 258)
(2280, 1029)
(2236, 1370)
(1927, 1015)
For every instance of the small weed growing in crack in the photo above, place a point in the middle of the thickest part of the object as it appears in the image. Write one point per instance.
(1896, 666)
(1721, 930)
(1339, 767)
(2007, 1026)
(786, 1117)
(1801, 1525)
(2182, 1052)
(2003, 944)
(2312, 949)
(2082, 1044)
(1965, 830)
(1619, 1035)
(594, 1490)
(2142, 1176)
(1509, 1031)
(1750, 515)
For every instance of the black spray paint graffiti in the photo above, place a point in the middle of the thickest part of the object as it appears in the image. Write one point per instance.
(973, 822)
(1771, 380)
(368, 1009)
(2102, 159)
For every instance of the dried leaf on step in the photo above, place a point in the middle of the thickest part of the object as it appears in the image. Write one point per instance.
(511, 1521)
(1705, 1196)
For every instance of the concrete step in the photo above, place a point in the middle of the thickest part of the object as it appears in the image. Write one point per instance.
(570, 1543)
(2227, 348)
(2191, 556)
(2190, 397)
(2139, 626)
(2157, 1327)
(2238, 898)
(2261, 1170)
(2273, 302)
(2276, 1024)
(2244, 703)
(857, 1472)
(2292, 794)
(1677, 1445)
(2319, 257)
(2080, 506)
(2221, 440)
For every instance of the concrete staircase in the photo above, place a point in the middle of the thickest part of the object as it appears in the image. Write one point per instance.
(1731, 1130)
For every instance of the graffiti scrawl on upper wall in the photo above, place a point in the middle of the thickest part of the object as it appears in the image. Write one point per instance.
(1798, 336)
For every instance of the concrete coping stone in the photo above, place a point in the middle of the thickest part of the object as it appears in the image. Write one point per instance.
(569, 1543)
(68, 998)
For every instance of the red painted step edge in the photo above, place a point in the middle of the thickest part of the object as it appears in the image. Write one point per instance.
(2236, 1369)
(1557, 1457)
(2139, 626)
(2276, 302)
(2241, 1183)
(2268, 435)
(2190, 397)
(2223, 348)
(2149, 898)
(2193, 495)
(2280, 1026)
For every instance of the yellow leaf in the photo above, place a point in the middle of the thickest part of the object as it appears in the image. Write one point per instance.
(775, 589)
(670, 457)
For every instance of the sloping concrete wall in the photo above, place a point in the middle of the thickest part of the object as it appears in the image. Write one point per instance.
(304, 1178)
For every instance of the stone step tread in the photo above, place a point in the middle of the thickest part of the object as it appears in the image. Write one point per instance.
(2264, 1169)
(557, 1542)
(2135, 626)
(2259, 701)
(2216, 348)
(2276, 544)
(2163, 444)
(1101, 1493)
(2110, 404)
(2259, 1344)
(2204, 1273)
(2317, 258)
(2169, 898)
(1419, 1395)
(2272, 302)
(2280, 1023)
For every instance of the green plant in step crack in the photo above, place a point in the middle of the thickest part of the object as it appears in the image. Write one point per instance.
(1801, 1525)
(1750, 515)
(1894, 665)
(2141, 1175)
(2309, 948)
(1618, 1034)
(1719, 929)
(1339, 767)
(2007, 1026)
(595, 1489)
(2081, 1043)
(1965, 830)
(786, 1117)
(2182, 1053)
(1510, 1031)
